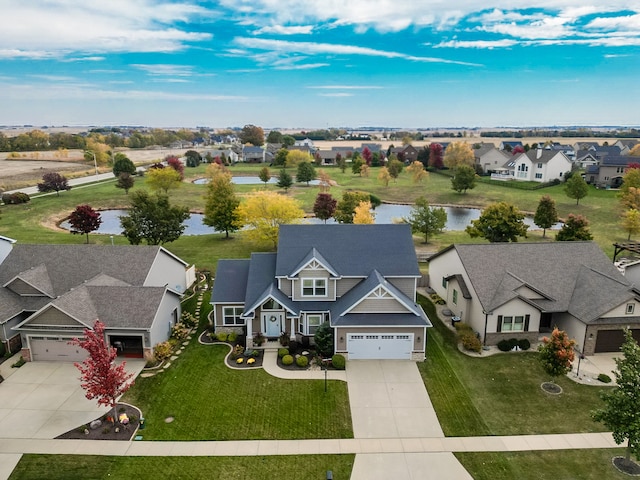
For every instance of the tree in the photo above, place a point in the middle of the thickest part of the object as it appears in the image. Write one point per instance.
(193, 158)
(362, 214)
(423, 156)
(252, 134)
(417, 171)
(556, 353)
(264, 175)
(84, 220)
(631, 179)
(125, 181)
(426, 220)
(459, 153)
(284, 180)
(356, 165)
(395, 168)
(122, 164)
(323, 339)
(265, 211)
(153, 219)
(175, 163)
(630, 199)
(288, 141)
(306, 172)
(296, 157)
(576, 227)
(163, 179)
(280, 160)
(324, 206)
(274, 137)
(384, 176)
(464, 178)
(341, 162)
(631, 222)
(576, 188)
(346, 207)
(101, 378)
(324, 180)
(499, 222)
(367, 156)
(221, 205)
(620, 412)
(53, 182)
(435, 156)
(546, 215)
(635, 151)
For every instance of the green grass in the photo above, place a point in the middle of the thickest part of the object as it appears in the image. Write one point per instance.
(89, 467)
(500, 394)
(543, 465)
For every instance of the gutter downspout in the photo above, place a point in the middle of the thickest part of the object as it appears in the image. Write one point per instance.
(4, 332)
(486, 321)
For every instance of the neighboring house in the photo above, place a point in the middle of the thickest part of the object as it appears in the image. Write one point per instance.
(586, 159)
(518, 290)
(509, 145)
(307, 142)
(539, 165)
(610, 171)
(489, 157)
(328, 157)
(568, 150)
(360, 278)
(626, 145)
(252, 154)
(408, 154)
(51, 293)
(579, 146)
(229, 154)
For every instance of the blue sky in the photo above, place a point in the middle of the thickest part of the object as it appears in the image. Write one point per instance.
(318, 64)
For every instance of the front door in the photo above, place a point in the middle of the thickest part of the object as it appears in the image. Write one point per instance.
(272, 322)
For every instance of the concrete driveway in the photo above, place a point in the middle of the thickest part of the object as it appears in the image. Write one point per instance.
(44, 399)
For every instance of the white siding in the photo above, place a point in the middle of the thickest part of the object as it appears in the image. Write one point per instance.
(168, 271)
(515, 307)
(574, 328)
(621, 311)
(161, 328)
(556, 166)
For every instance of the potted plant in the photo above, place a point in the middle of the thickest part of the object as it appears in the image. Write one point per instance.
(259, 339)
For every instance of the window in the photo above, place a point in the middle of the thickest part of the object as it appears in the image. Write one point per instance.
(630, 308)
(455, 296)
(538, 175)
(271, 304)
(314, 287)
(313, 322)
(232, 316)
(444, 282)
(513, 324)
(539, 165)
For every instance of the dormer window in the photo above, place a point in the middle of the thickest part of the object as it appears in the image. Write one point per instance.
(314, 287)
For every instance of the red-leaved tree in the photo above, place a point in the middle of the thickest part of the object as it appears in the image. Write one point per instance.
(175, 163)
(435, 156)
(84, 220)
(324, 206)
(101, 377)
(367, 155)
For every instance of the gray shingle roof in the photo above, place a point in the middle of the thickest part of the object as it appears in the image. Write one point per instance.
(230, 283)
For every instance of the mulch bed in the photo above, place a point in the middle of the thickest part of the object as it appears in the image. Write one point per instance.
(233, 362)
(107, 431)
(629, 467)
(551, 388)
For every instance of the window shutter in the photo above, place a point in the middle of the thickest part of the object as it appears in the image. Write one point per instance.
(499, 328)
(526, 322)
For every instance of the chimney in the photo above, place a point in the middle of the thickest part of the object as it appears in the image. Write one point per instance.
(538, 152)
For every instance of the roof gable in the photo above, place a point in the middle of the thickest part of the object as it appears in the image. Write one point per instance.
(314, 261)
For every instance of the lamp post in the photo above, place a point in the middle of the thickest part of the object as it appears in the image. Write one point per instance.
(95, 161)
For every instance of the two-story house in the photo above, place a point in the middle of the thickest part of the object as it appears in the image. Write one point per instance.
(610, 171)
(540, 165)
(362, 279)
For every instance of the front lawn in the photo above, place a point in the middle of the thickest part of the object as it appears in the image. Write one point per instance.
(500, 394)
(72, 467)
(209, 401)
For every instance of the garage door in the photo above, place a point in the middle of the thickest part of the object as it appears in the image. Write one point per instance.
(612, 340)
(55, 350)
(385, 346)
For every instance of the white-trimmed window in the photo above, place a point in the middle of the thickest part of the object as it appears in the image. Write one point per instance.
(538, 176)
(513, 324)
(309, 323)
(455, 296)
(630, 308)
(232, 315)
(314, 287)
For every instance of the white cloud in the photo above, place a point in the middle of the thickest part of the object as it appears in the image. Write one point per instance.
(302, 66)
(94, 58)
(627, 22)
(52, 78)
(286, 30)
(338, 94)
(165, 69)
(346, 87)
(488, 44)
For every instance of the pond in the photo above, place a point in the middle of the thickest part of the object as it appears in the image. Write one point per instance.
(457, 219)
(249, 181)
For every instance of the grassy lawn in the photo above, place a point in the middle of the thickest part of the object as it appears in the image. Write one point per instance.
(90, 467)
(543, 465)
(500, 394)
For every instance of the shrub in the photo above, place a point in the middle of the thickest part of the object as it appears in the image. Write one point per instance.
(513, 342)
(222, 336)
(462, 327)
(162, 351)
(287, 360)
(338, 361)
(285, 339)
(471, 342)
(437, 299)
(282, 352)
(259, 339)
(179, 331)
(302, 361)
(188, 320)
(524, 344)
(237, 351)
(604, 378)
(232, 337)
(15, 198)
(504, 346)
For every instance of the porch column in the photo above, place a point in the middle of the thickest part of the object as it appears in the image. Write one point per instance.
(249, 340)
(292, 331)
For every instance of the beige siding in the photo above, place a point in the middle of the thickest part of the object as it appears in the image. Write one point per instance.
(22, 288)
(574, 328)
(515, 307)
(53, 316)
(405, 285)
(285, 286)
(296, 286)
(161, 328)
(346, 284)
(621, 311)
(379, 305)
(418, 335)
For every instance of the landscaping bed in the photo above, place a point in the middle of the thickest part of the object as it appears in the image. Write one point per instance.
(107, 430)
(304, 358)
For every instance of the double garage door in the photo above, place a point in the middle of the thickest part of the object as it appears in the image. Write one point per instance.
(55, 350)
(612, 340)
(379, 346)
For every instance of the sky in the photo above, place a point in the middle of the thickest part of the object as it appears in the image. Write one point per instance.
(320, 63)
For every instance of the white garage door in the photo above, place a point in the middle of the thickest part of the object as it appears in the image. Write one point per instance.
(55, 350)
(379, 346)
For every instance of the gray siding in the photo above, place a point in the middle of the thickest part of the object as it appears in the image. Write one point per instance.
(286, 287)
(53, 316)
(161, 328)
(346, 284)
(405, 285)
(166, 270)
(379, 305)
(22, 288)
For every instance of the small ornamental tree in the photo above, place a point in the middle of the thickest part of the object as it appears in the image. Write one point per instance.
(362, 214)
(356, 165)
(546, 214)
(463, 179)
(175, 163)
(576, 188)
(436, 156)
(499, 222)
(101, 378)
(426, 220)
(125, 181)
(265, 175)
(84, 220)
(620, 413)
(306, 172)
(631, 222)
(367, 156)
(395, 168)
(384, 176)
(556, 353)
(323, 339)
(324, 206)
(193, 158)
(576, 227)
(53, 182)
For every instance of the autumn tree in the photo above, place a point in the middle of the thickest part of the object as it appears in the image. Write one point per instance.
(631, 222)
(264, 175)
(356, 165)
(84, 220)
(575, 228)
(325, 206)
(459, 153)
(221, 205)
(306, 172)
(499, 222)
(101, 377)
(464, 178)
(395, 168)
(426, 220)
(556, 353)
(346, 206)
(125, 182)
(175, 163)
(417, 171)
(265, 211)
(252, 134)
(630, 198)
(341, 162)
(367, 156)
(296, 157)
(284, 180)
(153, 219)
(576, 188)
(631, 179)
(280, 159)
(546, 215)
(122, 164)
(193, 158)
(362, 214)
(384, 176)
(620, 411)
(324, 180)
(436, 156)
(53, 182)
(635, 151)
(163, 179)
(96, 146)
